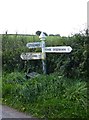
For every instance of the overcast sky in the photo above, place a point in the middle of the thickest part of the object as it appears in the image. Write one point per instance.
(51, 16)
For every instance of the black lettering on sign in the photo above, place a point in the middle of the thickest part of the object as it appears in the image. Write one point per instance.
(56, 49)
(29, 56)
(39, 56)
(48, 49)
(33, 45)
(63, 49)
(59, 49)
(37, 44)
(34, 55)
(30, 45)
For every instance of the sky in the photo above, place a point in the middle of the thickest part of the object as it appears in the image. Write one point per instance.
(64, 17)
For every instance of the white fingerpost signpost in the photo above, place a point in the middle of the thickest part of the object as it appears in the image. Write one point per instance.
(42, 38)
(42, 55)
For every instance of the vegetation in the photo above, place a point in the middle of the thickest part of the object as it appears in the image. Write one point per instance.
(62, 93)
(46, 96)
(14, 45)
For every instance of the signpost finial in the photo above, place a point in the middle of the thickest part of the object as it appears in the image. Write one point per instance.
(42, 36)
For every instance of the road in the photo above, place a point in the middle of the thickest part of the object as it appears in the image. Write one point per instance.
(8, 112)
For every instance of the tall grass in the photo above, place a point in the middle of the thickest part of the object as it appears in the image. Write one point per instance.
(49, 96)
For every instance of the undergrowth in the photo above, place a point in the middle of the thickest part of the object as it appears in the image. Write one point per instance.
(46, 96)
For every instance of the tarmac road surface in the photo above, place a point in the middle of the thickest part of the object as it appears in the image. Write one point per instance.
(8, 112)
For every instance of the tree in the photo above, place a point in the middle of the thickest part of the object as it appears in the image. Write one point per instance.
(39, 32)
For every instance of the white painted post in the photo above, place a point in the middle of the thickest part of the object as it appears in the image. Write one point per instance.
(42, 38)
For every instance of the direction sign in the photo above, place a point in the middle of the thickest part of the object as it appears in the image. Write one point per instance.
(58, 49)
(33, 45)
(29, 56)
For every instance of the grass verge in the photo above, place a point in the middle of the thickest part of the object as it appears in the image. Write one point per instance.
(46, 96)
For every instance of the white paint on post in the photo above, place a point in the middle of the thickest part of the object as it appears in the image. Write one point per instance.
(43, 50)
(58, 49)
(42, 37)
(34, 45)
